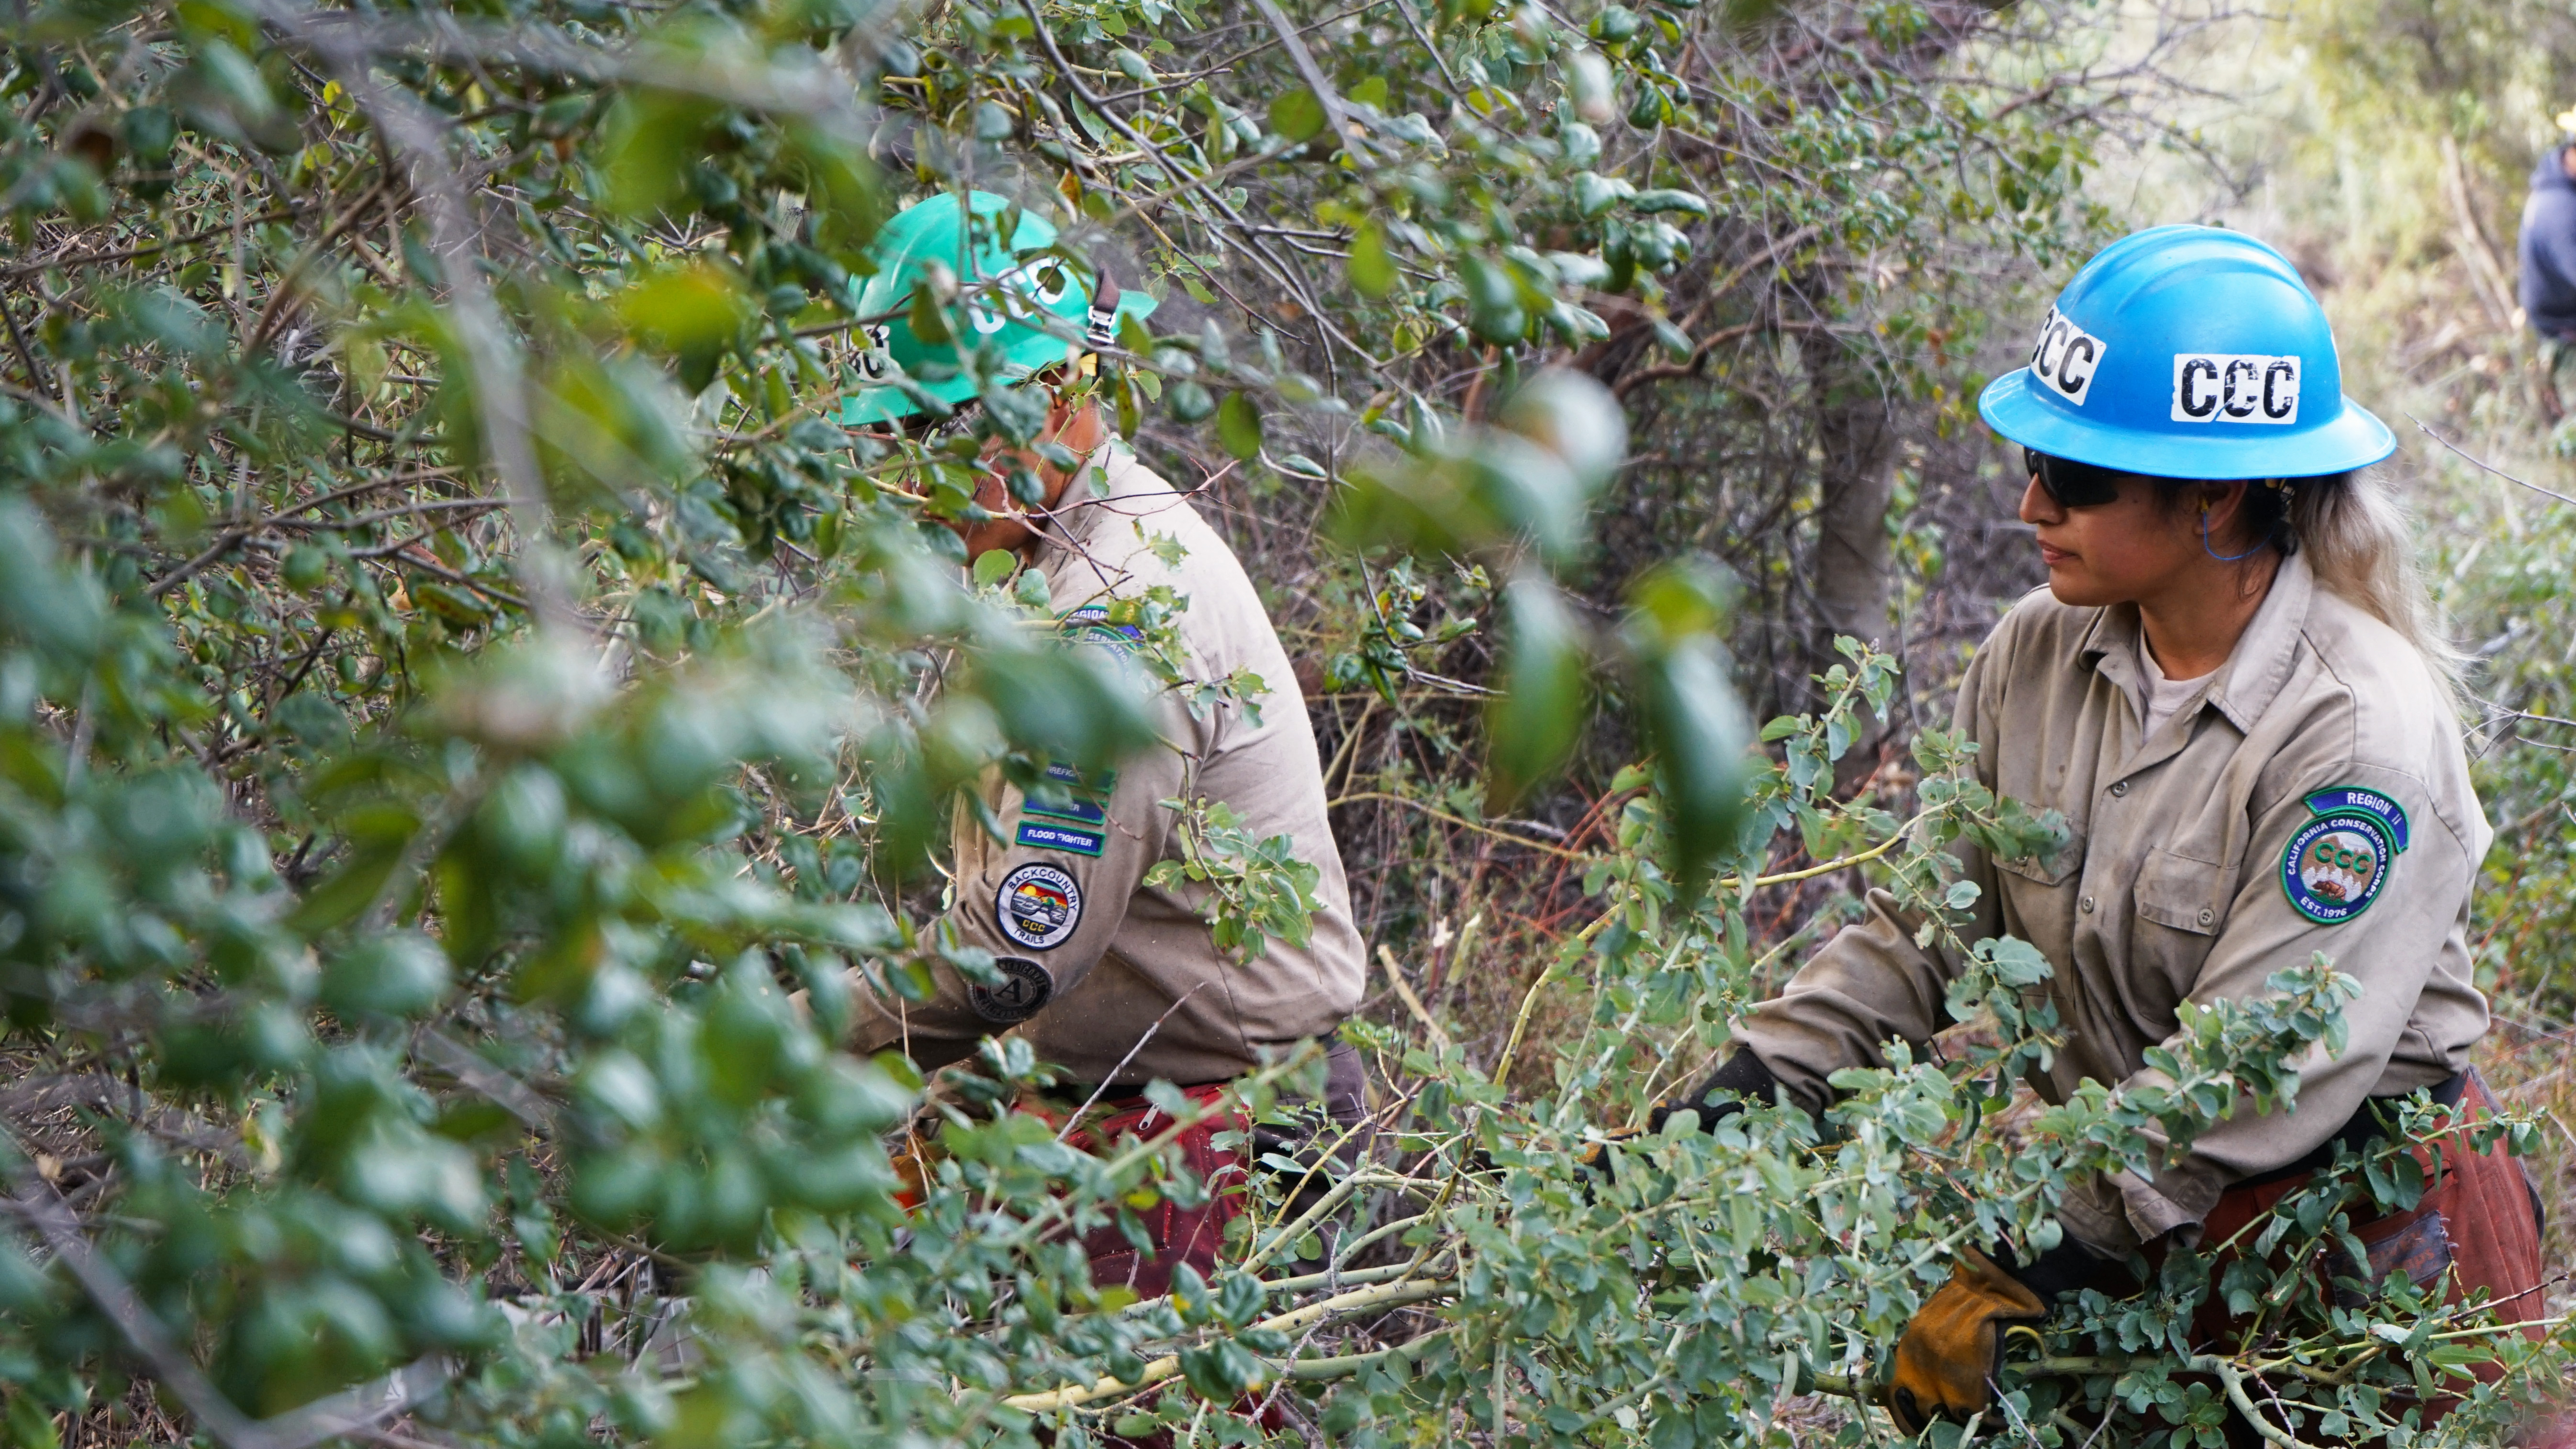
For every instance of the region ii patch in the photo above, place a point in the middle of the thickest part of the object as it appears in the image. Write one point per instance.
(2353, 797)
(1026, 987)
(2334, 865)
(1037, 906)
(1091, 624)
(1047, 835)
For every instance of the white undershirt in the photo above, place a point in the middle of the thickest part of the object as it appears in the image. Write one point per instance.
(2165, 697)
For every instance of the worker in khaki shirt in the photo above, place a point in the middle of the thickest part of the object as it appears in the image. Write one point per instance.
(2229, 691)
(1116, 980)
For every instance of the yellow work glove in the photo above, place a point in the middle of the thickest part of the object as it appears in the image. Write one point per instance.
(1947, 1359)
(1595, 1156)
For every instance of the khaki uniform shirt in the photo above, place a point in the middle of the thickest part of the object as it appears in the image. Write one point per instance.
(1093, 958)
(2251, 830)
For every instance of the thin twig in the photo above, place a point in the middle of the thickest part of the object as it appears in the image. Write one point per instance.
(2479, 462)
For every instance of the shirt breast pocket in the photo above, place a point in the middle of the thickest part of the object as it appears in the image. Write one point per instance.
(2050, 869)
(2183, 892)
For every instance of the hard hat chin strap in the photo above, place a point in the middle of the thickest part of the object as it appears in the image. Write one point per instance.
(2287, 490)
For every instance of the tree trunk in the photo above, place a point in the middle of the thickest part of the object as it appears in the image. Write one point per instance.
(1856, 435)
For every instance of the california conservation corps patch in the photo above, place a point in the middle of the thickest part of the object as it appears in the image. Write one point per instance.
(1038, 906)
(2335, 865)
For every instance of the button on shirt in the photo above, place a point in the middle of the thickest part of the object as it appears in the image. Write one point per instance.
(2172, 886)
(1116, 981)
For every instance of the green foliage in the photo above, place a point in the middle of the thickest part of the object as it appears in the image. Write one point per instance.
(1254, 889)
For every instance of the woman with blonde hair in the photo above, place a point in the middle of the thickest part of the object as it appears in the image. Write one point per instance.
(2232, 690)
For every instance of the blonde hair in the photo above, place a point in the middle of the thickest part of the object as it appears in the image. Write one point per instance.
(2360, 545)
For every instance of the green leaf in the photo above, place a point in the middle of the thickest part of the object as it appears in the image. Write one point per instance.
(1238, 425)
(1297, 115)
(1223, 1370)
(1698, 728)
(1532, 725)
(1493, 300)
(1189, 403)
(1372, 270)
(1649, 203)
(650, 141)
(687, 307)
(927, 319)
(1572, 415)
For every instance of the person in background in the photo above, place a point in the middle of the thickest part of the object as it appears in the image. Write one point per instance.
(1114, 980)
(2231, 691)
(2547, 249)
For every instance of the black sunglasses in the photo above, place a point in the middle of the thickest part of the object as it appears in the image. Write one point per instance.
(2073, 484)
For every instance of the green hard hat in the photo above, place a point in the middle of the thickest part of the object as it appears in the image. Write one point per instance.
(1002, 315)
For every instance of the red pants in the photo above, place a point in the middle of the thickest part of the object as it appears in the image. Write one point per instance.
(2478, 1224)
(1189, 1235)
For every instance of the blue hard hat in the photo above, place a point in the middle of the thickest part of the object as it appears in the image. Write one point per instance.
(2188, 352)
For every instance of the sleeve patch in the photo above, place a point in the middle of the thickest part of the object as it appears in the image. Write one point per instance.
(1091, 624)
(1080, 802)
(2335, 865)
(2352, 798)
(1037, 906)
(1025, 990)
(1047, 835)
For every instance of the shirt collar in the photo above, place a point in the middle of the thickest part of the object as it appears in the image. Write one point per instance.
(2254, 672)
(1077, 515)
(2261, 663)
(2111, 646)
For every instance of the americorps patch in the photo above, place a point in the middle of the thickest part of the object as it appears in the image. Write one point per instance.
(1038, 906)
(2336, 864)
(1026, 988)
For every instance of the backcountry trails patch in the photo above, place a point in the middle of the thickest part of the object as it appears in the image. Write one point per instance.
(1038, 906)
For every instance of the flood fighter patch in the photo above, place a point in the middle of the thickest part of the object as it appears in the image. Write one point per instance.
(2335, 865)
(1047, 835)
(1025, 989)
(1038, 906)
